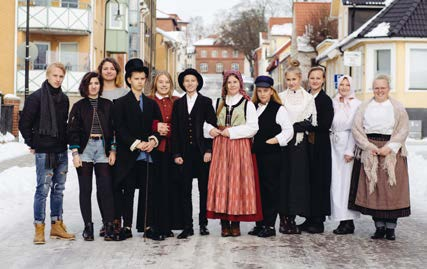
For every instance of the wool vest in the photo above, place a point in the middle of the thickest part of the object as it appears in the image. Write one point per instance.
(268, 128)
(233, 115)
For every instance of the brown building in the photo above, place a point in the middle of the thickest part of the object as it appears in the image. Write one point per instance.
(213, 57)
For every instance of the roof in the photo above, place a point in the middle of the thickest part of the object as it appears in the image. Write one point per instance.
(305, 11)
(176, 37)
(205, 42)
(363, 2)
(278, 20)
(401, 18)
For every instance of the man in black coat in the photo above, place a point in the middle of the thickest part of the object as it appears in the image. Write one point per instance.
(43, 125)
(190, 149)
(133, 116)
(320, 156)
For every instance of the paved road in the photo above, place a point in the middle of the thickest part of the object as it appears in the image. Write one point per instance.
(283, 251)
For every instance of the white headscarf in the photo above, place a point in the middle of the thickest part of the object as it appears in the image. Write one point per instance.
(347, 99)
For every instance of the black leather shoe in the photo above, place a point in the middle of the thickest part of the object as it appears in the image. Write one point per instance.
(389, 234)
(204, 230)
(315, 228)
(304, 226)
(186, 233)
(256, 230)
(345, 227)
(127, 232)
(88, 232)
(169, 234)
(379, 233)
(267, 232)
(109, 231)
(150, 233)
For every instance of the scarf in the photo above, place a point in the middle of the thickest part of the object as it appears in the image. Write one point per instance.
(339, 98)
(48, 125)
(308, 111)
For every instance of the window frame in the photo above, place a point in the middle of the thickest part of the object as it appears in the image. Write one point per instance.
(221, 69)
(408, 48)
(202, 70)
(370, 64)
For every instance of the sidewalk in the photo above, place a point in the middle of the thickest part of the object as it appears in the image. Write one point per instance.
(283, 251)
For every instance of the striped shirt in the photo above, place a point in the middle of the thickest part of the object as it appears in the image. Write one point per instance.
(96, 125)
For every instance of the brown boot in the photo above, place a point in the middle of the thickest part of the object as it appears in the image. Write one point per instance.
(235, 228)
(225, 228)
(39, 236)
(59, 231)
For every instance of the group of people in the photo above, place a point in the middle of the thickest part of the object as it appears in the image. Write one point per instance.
(297, 152)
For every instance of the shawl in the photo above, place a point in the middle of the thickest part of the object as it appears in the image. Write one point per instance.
(399, 135)
(308, 113)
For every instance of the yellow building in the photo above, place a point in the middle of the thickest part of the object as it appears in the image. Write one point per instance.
(392, 42)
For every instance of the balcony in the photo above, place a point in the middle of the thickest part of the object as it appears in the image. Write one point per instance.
(77, 64)
(56, 17)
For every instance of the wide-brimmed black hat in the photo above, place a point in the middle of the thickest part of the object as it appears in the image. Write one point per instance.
(134, 65)
(190, 71)
(264, 82)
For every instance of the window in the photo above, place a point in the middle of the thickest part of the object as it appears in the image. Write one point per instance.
(70, 3)
(42, 60)
(69, 56)
(235, 67)
(219, 68)
(204, 54)
(203, 67)
(235, 53)
(189, 65)
(224, 54)
(214, 53)
(416, 59)
(380, 59)
(41, 2)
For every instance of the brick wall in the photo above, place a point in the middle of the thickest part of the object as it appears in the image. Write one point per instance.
(15, 102)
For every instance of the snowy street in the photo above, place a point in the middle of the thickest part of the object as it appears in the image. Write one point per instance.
(17, 178)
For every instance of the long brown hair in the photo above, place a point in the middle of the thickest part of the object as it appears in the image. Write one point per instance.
(156, 79)
(119, 77)
(275, 97)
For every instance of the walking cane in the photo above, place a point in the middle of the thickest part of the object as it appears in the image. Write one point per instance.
(146, 201)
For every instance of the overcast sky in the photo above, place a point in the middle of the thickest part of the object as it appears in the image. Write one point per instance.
(191, 8)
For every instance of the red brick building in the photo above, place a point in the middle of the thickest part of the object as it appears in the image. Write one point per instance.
(212, 57)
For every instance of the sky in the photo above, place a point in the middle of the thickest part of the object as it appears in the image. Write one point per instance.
(191, 8)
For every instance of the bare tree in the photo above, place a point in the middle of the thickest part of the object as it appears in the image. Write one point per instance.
(196, 29)
(320, 27)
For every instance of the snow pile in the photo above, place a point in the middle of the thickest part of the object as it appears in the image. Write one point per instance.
(282, 29)
(382, 29)
(304, 44)
(12, 150)
(8, 137)
(205, 42)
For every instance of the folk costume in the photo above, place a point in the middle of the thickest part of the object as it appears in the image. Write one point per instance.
(295, 188)
(133, 120)
(188, 116)
(342, 143)
(382, 188)
(273, 121)
(319, 146)
(233, 190)
(171, 201)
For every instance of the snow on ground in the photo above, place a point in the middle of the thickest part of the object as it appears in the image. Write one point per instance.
(12, 150)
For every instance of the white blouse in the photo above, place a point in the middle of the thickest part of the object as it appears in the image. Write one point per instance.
(282, 118)
(191, 101)
(247, 130)
(379, 119)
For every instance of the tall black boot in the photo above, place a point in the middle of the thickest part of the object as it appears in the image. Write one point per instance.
(88, 232)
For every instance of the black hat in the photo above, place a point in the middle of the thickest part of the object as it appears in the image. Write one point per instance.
(264, 82)
(134, 65)
(190, 71)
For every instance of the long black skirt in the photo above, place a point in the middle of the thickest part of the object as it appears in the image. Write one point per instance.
(295, 179)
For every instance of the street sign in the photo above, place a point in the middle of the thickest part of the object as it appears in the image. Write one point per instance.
(336, 78)
(352, 58)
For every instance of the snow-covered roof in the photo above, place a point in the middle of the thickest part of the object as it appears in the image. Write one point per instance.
(176, 37)
(282, 29)
(303, 43)
(205, 42)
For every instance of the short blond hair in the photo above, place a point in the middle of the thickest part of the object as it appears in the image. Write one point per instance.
(55, 65)
(382, 77)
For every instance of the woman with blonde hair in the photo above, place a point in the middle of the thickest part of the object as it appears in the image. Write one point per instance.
(380, 128)
(275, 131)
(295, 188)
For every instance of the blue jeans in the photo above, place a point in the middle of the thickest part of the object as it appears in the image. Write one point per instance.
(53, 180)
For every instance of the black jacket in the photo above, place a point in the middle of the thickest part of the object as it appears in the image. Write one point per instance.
(30, 121)
(203, 112)
(80, 124)
(131, 124)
